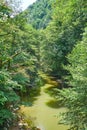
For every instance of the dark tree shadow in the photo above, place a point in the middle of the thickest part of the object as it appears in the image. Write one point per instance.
(52, 91)
(29, 98)
(54, 104)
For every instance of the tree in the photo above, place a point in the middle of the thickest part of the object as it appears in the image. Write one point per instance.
(8, 98)
(18, 61)
(39, 14)
(75, 98)
(63, 32)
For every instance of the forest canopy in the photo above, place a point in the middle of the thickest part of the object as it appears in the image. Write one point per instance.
(49, 36)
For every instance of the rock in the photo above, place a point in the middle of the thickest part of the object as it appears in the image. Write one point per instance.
(38, 129)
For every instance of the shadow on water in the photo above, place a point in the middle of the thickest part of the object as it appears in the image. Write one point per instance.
(54, 104)
(29, 98)
(43, 107)
(52, 91)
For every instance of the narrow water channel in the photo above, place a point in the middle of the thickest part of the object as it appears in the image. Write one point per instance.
(45, 117)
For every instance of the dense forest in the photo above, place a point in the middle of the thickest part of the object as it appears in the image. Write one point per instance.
(51, 37)
(40, 13)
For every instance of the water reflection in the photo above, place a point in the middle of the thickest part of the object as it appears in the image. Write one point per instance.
(54, 104)
(31, 97)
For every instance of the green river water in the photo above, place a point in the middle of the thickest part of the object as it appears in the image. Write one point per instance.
(45, 117)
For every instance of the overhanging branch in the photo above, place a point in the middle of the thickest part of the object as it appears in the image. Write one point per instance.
(10, 58)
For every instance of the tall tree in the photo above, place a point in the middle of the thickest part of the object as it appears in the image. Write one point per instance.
(63, 32)
(18, 60)
(75, 98)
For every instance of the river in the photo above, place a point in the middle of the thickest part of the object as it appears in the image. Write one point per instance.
(45, 117)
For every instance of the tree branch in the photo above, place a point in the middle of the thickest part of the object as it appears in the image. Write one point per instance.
(17, 53)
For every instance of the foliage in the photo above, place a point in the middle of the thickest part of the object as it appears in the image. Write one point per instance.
(25, 51)
(64, 31)
(75, 98)
(57, 41)
(7, 97)
(18, 60)
(39, 14)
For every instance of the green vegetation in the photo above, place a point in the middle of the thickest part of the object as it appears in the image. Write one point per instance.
(76, 100)
(40, 13)
(57, 48)
(18, 61)
(63, 32)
